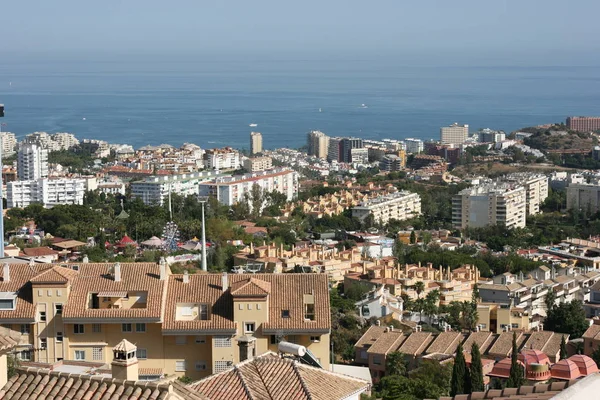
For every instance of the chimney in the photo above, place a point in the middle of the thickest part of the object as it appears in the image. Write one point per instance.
(225, 282)
(247, 347)
(378, 322)
(86, 259)
(186, 276)
(125, 363)
(391, 328)
(117, 272)
(163, 268)
(6, 272)
(541, 327)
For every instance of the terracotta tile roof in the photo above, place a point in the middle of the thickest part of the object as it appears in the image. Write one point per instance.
(286, 293)
(585, 364)
(272, 377)
(416, 343)
(537, 340)
(445, 343)
(387, 342)
(6, 342)
(552, 348)
(537, 392)
(483, 339)
(370, 336)
(55, 274)
(39, 251)
(565, 369)
(503, 345)
(250, 288)
(34, 384)
(593, 332)
(20, 275)
(135, 277)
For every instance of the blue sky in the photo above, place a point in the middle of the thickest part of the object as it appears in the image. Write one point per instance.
(550, 31)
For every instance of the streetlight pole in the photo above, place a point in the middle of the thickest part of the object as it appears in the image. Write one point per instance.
(204, 268)
(1, 194)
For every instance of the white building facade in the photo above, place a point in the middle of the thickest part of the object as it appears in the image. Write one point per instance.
(32, 162)
(454, 134)
(399, 206)
(49, 192)
(490, 204)
(230, 190)
(155, 189)
(226, 158)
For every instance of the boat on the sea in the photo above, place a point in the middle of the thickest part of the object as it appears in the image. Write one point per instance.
(320, 110)
(253, 125)
(363, 105)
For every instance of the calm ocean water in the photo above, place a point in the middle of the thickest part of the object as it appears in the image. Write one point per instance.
(212, 103)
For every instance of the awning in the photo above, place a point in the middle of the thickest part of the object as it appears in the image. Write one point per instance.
(112, 294)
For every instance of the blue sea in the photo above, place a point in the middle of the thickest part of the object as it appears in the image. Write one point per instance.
(211, 103)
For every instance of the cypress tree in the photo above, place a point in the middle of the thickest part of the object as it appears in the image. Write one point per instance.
(516, 377)
(563, 348)
(476, 369)
(460, 378)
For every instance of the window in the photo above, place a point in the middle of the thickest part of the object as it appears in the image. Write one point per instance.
(200, 365)
(222, 341)
(40, 293)
(249, 306)
(221, 366)
(258, 306)
(43, 343)
(315, 339)
(181, 340)
(58, 292)
(96, 328)
(285, 313)
(377, 360)
(140, 328)
(25, 329)
(79, 329)
(187, 311)
(49, 293)
(200, 339)
(515, 326)
(24, 355)
(249, 327)
(180, 365)
(7, 304)
(309, 312)
(80, 355)
(203, 312)
(363, 354)
(59, 337)
(42, 316)
(241, 306)
(125, 327)
(483, 326)
(141, 354)
(97, 354)
(58, 309)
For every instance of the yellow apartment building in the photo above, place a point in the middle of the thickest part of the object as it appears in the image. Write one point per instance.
(496, 318)
(192, 325)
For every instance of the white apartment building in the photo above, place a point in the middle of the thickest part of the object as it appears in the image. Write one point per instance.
(318, 144)
(256, 143)
(536, 189)
(49, 192)
(155, 189)
(113, 188)
(9, 143)
(42, 139)
(65, 141)
(225, 158)
(399, 206)
(32, 162)
(490, 204)
(454, 134)
(231, 189)
(359, 156)
(414, 146)
(256, 164)
(488, 135)
(583, 196)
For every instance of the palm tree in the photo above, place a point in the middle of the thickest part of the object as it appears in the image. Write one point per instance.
(419, 288)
